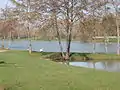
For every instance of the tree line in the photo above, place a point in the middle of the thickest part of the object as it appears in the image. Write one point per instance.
(60, 20)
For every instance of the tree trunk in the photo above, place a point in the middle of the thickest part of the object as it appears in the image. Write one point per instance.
(106, 44)
(68, 47)
(118, 36)
(69, 37)
(9, 41)
(58, 35)
(3, 40)
(69, 27)
(30, 47)
(94, 47)
(94, 43)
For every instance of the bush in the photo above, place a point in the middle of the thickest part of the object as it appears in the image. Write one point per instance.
(2, 62)
(55, 57)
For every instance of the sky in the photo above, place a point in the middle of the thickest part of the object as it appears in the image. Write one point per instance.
(4, 2)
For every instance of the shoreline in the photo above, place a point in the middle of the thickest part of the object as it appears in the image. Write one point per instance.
(56, 56)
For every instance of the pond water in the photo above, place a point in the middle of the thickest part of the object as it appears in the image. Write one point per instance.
(53, 46)
(112, 66)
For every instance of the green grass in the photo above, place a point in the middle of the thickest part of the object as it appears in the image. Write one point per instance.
(104, 56)
(29, 72)
(82, 56)
(97, 56)
(111, 40)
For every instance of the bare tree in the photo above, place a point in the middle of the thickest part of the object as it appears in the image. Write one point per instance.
(115, 3)
(69, 12)
(4, 18)
(26, 16)
(66, 11)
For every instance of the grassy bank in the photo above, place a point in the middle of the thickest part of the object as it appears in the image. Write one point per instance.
(21, 71)
(100, 56)
(82, 56)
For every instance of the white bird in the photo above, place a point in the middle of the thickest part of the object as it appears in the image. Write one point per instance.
(41, 50)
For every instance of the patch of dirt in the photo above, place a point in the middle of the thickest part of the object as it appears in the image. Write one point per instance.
(3, 50)
(2, 87)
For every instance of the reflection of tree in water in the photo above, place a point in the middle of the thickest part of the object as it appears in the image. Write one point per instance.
(94, 65)
(91, 65)
(104, 65)
(111, 65)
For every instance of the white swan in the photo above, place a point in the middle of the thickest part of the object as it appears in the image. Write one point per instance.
(41, 50)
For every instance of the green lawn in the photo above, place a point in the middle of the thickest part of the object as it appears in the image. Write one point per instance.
(83, 56)
(95, 57)
(29, 72)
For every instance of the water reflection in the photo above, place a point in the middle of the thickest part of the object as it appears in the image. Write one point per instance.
(76, 46)
(113, 66)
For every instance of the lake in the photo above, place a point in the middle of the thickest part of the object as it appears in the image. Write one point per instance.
(112, 66)
(53, 46)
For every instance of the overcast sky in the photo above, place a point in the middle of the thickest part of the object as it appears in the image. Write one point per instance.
(4, 2)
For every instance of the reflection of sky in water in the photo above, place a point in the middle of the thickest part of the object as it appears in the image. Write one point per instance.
(104, 65)
(82, 64)
(53, 46)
